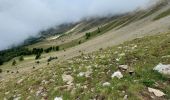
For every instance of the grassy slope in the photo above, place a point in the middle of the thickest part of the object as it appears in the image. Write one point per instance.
(140, 54)
(163, 14)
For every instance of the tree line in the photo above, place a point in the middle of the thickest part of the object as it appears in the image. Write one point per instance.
(7, 55)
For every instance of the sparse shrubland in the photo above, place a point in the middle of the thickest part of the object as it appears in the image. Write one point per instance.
(90, 75)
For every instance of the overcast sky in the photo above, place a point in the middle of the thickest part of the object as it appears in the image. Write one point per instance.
(20, 19)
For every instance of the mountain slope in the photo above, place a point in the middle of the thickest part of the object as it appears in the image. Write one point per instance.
(32, 78)
(87, 74)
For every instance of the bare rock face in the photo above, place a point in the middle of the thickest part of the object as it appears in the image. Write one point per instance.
(164, 69)
(156, 92)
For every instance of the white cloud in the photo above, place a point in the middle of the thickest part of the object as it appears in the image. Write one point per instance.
(20, 19)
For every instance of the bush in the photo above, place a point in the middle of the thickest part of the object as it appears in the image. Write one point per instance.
(80, 42)
(57, 48)
(51, 58)
(21, 58)
(37, 62)
(0, 70)
(148, 83)
(38, 56)
(88, 35)
(14, 63)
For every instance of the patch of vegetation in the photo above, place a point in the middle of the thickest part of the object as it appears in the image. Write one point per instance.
(88, 35)
(148, 83)
(90, 71)
(14, 63)
(0, 70)
(7, 55)
(21, 58)
(51, 58)
(38, 56)
(163, 14)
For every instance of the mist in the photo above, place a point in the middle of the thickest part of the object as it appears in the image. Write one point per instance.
(20, 19)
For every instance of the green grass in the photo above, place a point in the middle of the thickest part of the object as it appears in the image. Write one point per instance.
(163, 14)
(141, 54)
(8, 65)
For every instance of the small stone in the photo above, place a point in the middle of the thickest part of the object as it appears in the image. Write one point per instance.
(52, 80)
(117, 74)
(28, 98)
(123, 67)
(106, 84)
(6, 93)
(122, 54)
(58, 98)
(81, 74)
(125, 97)
(38, 92)
(20, 81)
(123, 92)
(117, 59)
(17, 98)
(157, 93)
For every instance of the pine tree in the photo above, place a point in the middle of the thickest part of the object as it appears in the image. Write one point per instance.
(0, 70)
(57, 48)
(1, 61)
(99, 30)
